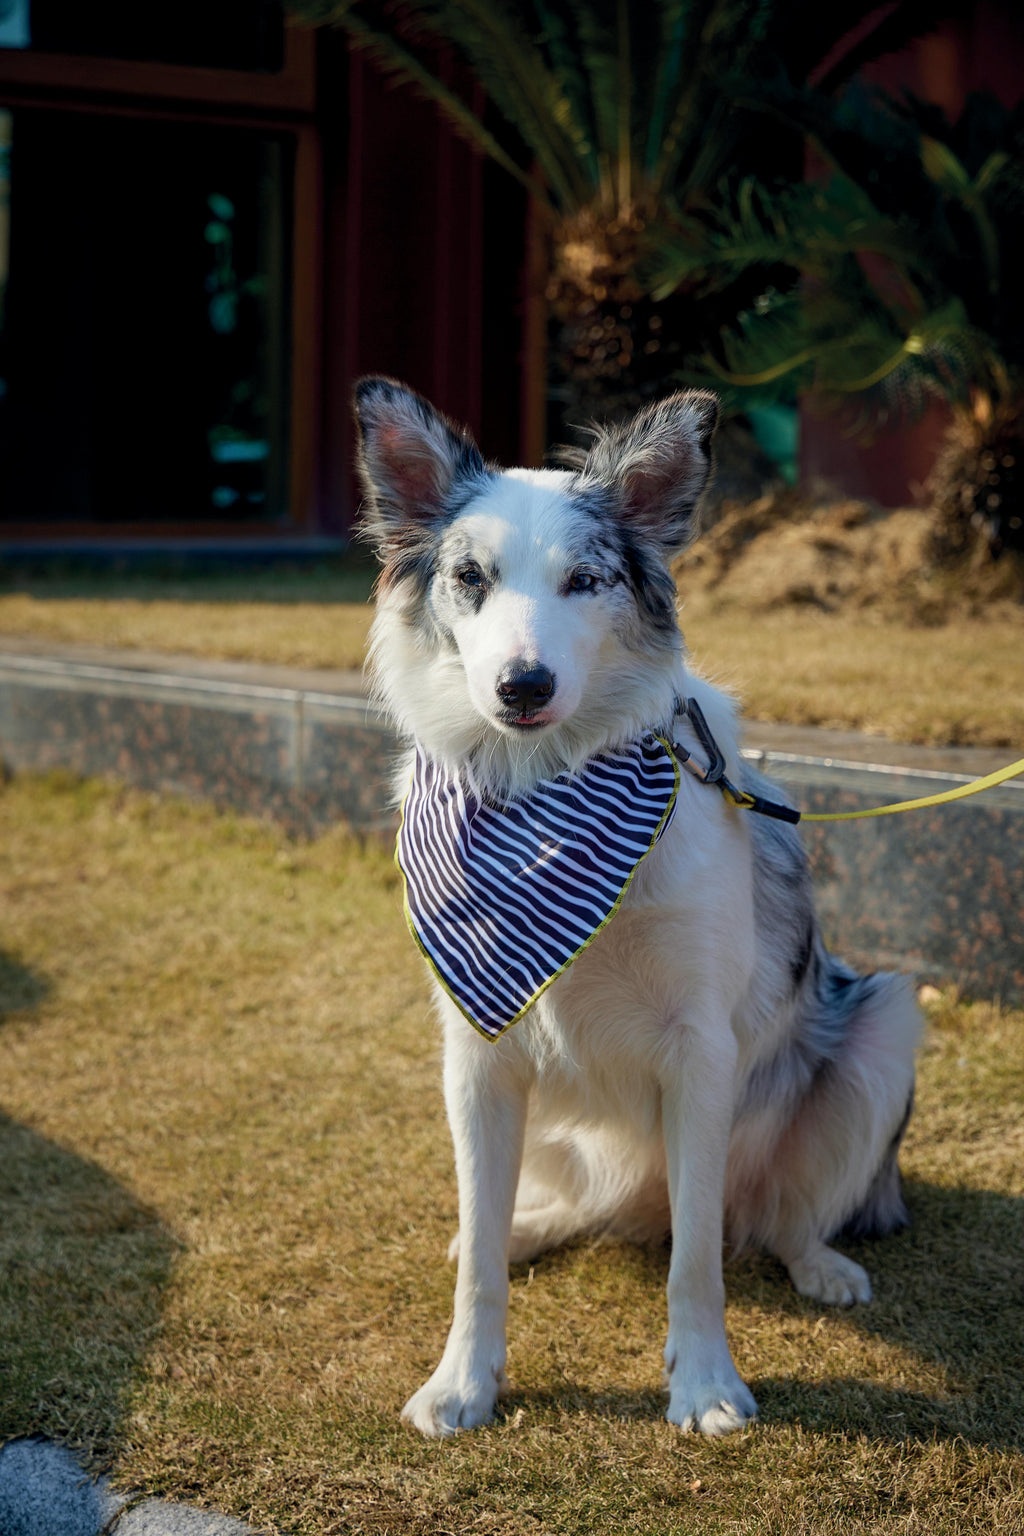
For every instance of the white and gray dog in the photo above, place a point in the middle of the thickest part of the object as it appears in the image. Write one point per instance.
(704, 1066)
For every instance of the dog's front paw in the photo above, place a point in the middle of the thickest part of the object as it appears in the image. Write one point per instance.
(451, 1401)
(711, 1407)
(828, 1276)
(706, 1392)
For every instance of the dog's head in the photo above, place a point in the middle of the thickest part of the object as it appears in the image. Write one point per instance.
(537, 593)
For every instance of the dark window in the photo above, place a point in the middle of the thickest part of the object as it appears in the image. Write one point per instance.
(144, 321)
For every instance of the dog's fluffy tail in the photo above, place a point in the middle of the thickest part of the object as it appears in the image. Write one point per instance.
(815, 1146)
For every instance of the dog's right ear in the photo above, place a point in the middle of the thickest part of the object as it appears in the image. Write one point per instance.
(658, 465)
(409, 459)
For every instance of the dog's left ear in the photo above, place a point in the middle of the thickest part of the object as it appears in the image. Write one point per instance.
(658, 465)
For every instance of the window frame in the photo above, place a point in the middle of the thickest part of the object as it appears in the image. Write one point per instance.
(282, 103)
(290, 89)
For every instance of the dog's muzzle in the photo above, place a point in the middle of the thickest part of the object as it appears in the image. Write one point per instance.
(523, 689)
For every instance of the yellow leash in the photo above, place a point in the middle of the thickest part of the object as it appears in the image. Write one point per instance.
(715, 774)
(961, 792)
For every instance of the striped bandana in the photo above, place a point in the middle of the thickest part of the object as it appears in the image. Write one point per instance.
(502, 897)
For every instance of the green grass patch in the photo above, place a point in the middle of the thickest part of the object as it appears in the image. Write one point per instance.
(227, 1188)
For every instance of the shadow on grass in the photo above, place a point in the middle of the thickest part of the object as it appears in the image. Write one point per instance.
(21, 988)
(847, 1406)
(345, 578)
(947, 1291)
(83, 1267)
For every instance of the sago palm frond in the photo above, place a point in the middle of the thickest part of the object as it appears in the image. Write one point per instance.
(803, 226)
(798, 347)
(404, 67)
(615, 101)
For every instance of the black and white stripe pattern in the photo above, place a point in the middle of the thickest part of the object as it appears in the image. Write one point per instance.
(503, 897)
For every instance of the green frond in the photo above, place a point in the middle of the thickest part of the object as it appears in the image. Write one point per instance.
(673, 29)
(492, 39)
(401, 65)
(722, 36)
(575, 108)
(624, 107)
(512, 68)
(790, 348)
(600, 63)
(805, 227)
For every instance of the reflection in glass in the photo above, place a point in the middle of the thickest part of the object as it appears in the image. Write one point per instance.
(15, 31)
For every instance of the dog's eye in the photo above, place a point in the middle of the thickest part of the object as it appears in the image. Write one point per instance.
(581, 581)
(470, 576)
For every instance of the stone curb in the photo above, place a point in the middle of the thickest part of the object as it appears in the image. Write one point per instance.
(45, 1492)
(936, 892)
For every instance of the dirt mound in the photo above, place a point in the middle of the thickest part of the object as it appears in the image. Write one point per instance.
(784, 549)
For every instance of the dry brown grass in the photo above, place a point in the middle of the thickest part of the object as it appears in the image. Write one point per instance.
(293, 618)
(836, 616)
(786, 551)
(829, 616)
(962, 685)
(227, 1191)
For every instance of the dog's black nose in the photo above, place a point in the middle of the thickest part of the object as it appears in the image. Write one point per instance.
(525, 687)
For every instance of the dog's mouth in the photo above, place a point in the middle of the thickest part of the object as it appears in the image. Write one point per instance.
(524, 719)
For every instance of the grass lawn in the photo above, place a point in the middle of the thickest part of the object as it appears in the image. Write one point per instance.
(301, 618)
(958, 683)
(227, 1189)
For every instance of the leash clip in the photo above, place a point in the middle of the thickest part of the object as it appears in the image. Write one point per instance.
(714, 773)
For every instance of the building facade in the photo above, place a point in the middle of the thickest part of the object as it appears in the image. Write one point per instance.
(211, 221)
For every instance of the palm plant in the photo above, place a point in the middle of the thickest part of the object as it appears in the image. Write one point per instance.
(886, 285)
(623, 121)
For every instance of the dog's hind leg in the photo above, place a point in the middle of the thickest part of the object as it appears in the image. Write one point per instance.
(833, 1166)
(824, 1274)
(548, 1201)
(818, 1270)
(590, 1182)
(486, 1090)
(542, 1227)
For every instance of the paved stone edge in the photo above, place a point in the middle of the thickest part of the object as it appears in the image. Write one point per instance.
(933, 891)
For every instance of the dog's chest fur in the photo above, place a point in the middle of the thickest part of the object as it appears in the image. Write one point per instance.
(660, 950)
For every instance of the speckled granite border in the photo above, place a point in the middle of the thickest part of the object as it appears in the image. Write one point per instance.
(306, 757)
(937, 892)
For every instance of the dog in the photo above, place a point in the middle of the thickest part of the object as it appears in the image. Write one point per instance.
(703, 1066)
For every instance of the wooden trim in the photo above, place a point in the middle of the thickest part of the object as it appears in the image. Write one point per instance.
(271, 530)
(38, 101)
(293, 89)
(306, 330)
(533, 363)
